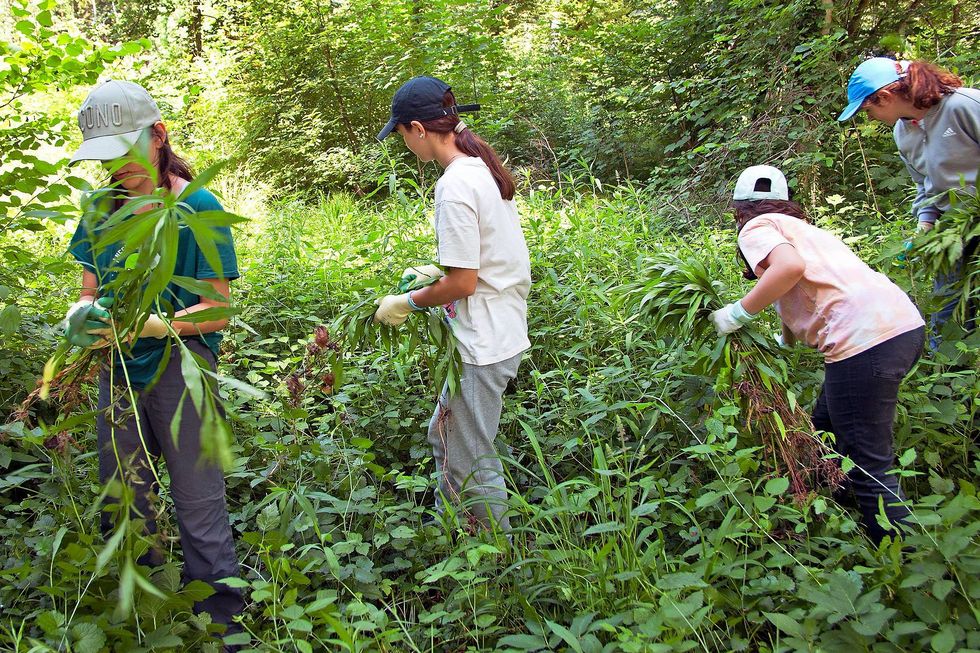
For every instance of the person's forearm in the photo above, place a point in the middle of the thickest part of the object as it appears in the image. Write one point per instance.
(447, 289)
(927, 215)
(773, 284)
(198, 328)
(90, 286)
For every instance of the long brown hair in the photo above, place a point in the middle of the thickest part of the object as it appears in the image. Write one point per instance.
(169, 164)
(745, 210)
(472, 145)
(924, 85)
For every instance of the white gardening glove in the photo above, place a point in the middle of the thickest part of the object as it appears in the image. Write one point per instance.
(154, 327)
(730, 318)
(419, 276)
(924, 227)
(393, 310)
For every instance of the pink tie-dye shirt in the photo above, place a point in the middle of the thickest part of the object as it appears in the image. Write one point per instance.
(841, 306)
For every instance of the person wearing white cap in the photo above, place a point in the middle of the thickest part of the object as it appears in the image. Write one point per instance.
(121, 127)
(869, 331)
(936, 125)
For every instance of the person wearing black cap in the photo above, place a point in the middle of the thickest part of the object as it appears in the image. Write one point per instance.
(484, 289)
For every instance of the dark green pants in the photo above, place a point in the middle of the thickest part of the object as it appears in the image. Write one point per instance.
(197, 488)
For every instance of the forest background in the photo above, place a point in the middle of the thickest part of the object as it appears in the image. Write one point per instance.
(648, 524)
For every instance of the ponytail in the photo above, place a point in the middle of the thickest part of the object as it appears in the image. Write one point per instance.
(472, 145)
(927, 84)
(923, 84)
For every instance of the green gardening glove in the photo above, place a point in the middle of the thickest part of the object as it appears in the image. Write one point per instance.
(85, 317)
(901, 260)
(903, 257)
(419, 276)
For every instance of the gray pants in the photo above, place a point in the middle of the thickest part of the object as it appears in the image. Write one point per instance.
(197, 488)
(462, 433)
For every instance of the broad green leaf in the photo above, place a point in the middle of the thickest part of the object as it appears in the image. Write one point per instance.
(87, 638)
(786, 624)
(210, 314)
(198, 287)
(9, 320)
(777, 486)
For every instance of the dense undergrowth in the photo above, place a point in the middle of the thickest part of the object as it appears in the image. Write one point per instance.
(647, 516)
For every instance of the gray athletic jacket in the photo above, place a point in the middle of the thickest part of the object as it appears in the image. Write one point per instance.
(941, 148)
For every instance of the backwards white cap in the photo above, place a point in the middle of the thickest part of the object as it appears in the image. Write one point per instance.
(745, 187)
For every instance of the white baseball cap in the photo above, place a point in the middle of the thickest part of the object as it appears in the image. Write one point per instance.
(748, 183)
(112, 118)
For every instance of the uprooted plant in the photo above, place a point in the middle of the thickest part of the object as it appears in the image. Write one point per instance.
(427, 333)
(951, 251)
(677, 293)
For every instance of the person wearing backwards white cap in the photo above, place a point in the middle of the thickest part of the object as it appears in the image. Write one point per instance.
(936, 125)
(121, 127)
(869, 331)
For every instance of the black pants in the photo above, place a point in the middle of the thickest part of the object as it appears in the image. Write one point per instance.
(857, 404)
(197, 488)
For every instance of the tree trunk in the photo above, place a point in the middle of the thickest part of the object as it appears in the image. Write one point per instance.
(197, 41)
(954, 27)
(338, 93)
(907, 13)
(828, 16)
(855, 23)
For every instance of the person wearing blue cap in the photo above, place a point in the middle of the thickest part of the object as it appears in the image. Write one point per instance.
(484, 290)
(936, 123)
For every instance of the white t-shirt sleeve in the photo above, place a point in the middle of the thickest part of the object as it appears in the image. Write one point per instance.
(458, 235)
(758, 238)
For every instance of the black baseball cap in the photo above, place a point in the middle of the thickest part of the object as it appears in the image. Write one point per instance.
(420, 98)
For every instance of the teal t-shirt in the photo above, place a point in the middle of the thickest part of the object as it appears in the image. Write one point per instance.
(143, 361)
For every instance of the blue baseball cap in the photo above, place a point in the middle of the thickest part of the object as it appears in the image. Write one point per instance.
(420, 98)
(866, 79)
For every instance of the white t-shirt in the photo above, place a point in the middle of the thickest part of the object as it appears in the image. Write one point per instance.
(478, 230)
(840, 306)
